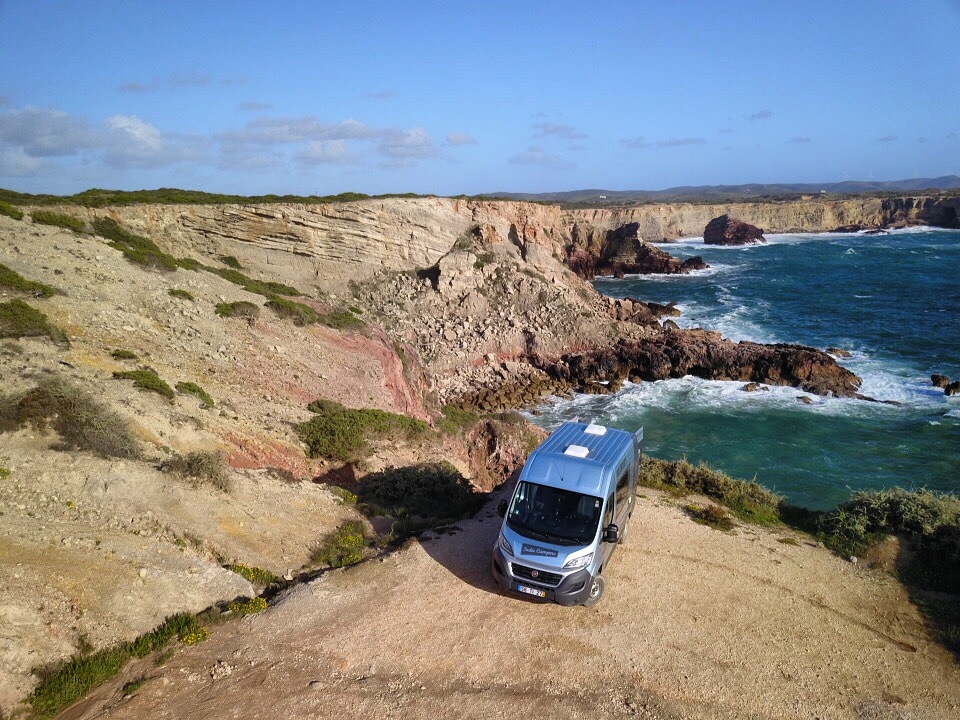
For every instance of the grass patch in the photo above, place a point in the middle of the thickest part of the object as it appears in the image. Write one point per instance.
(13, 280)
(146, 380)
(10, 211)
(257, 287)
(71, 680)
(241, 308)
(248, 607)
(711, 515)
(343, 547)
(749, 501)
(340, 433)
(230, 261)
(18, 319)
(191, 388)
(455, 420)
(342, 320)
(343, 495)
(178, 293)
(298, 312)
(203, 467)
(68, 222)
(136, 248)
(121, 354)
(82, 422)
(131, 687)
(255, 575)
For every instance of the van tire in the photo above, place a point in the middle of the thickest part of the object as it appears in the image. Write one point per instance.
(596, 591)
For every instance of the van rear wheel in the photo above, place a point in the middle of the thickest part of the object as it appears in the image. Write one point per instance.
(596, 591)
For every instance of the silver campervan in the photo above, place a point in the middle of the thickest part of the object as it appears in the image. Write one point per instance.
(570, 509)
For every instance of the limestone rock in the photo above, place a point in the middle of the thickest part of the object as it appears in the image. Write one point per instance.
(725, 230)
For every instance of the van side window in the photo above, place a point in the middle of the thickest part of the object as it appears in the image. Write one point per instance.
(623, 489)
(608, 513)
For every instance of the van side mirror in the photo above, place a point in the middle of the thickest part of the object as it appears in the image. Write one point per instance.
(502, 508)
(611, 533)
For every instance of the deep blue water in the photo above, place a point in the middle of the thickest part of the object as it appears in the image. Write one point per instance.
(891, 300)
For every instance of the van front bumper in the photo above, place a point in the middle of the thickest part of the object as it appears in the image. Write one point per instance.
(572, 590)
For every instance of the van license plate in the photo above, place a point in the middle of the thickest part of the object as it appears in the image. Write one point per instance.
(532, 591)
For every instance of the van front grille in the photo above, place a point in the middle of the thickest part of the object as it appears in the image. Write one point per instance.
(538, 576)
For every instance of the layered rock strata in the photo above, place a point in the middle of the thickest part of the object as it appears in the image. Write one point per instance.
(725, 230)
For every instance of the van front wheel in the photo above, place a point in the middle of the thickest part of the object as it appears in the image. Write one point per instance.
(596, 591)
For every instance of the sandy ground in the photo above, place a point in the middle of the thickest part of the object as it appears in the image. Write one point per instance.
(695, 624)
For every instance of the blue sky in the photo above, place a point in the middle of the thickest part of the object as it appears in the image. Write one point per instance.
(434, 97)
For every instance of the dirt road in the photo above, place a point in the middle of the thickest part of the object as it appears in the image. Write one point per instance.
(695, 624)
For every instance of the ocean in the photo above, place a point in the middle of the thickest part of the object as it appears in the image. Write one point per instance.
(891, 300)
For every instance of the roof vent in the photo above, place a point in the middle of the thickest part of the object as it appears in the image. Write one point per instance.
(576, 451)
(594, 429)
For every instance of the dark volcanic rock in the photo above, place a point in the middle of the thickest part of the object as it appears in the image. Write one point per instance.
(676, 353)
(725, 230)
(623, 252)
(940, 381)
(952, 389)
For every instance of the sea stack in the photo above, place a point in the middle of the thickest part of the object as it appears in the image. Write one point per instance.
(725, 230)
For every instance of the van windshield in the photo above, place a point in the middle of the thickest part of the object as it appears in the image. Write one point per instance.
(554, 515)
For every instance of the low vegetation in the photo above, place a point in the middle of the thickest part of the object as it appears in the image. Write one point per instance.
(122, 354)
(254, 575)
(202, 467)
(257, 287)
(12, 280)
(96, 197)
(10, 211)
(749, 501)
(191, 388)
(711, 515)
(231, 261)
(248, 607)
(182, 294)
(18, 320)
(298, 312)
(136, 248)
(70, 681)
(344, 434)
(342, 320)
(456, 420)
(343, 547)
(68, 222)
(82, 422)
(148, 380)
(240, 308)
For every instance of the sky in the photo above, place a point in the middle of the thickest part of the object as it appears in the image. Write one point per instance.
(439, 98)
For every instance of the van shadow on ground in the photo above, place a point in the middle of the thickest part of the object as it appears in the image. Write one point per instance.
(466, 549)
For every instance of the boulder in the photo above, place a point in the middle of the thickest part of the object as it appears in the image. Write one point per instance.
(622, 251)
(940, 381)
(952, 389)
(725, 230)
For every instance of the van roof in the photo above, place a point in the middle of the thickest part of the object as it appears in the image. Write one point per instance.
(578, 457)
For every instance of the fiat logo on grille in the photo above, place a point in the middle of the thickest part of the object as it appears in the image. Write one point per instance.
(535, 573)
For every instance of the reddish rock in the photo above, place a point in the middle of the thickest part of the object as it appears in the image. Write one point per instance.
(725, 230)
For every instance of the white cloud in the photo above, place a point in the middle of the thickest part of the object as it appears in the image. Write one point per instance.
(269, 131)
(46, 133)
(760, 115)
(639, 142)
(131, 142)
(406, 144)
(567, 132)
(14, 162)
(254, 106)
(320, 152)
(456, 138)
(536, 155)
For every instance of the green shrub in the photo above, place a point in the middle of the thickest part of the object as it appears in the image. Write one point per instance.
(201, 466)
(231, 261)
(241, 308)
(121, 354)
(342, 320)
(343, 547)
(930, 519)
(749, 501)
(712, 515)
(248, 607)
(255, 575)
(300, 314)
(71, 680)
(343, 495)
(257, 287)
(10, 211)
(68, 222)
(146, 380)
(82, 422)
(129, 688)
(182, 294)
(432, 491)
(13, 280)
(344, 434)
(191, 388)
(456, 420)
(136, 248)
(18, 319)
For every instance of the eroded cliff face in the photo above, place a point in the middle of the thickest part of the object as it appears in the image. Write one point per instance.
(328, 246)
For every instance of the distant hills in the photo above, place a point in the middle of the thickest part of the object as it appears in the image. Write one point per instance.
(725, 193)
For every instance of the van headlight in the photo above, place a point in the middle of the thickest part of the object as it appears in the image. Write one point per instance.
(506, 546)
(578, 562)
